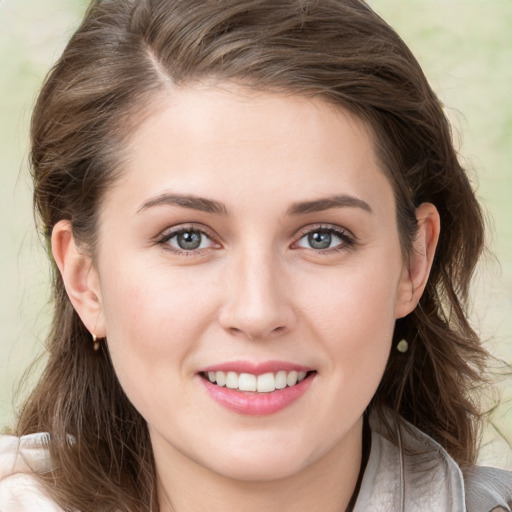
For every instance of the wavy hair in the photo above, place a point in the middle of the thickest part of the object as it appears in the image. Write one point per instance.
(120, 58)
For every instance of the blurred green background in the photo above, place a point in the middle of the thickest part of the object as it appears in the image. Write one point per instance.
(465, 48)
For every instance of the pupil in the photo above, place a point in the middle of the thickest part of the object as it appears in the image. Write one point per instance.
(319, 240)
(189, 240)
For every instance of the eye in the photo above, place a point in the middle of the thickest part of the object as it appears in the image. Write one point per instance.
(322, 239)
(187, 240)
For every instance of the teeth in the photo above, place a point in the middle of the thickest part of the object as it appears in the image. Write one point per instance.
(281, 380)
(265, 383)
(247, 382)
(291, 379)
(220, 378)
(232, 380)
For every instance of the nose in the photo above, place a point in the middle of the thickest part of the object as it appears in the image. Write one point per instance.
(257, 304)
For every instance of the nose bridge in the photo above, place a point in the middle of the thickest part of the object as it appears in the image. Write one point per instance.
(257, 305)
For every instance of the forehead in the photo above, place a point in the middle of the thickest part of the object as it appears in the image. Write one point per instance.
(232, 140)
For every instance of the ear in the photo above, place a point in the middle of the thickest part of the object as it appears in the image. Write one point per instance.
(80, 278)
(416, 270)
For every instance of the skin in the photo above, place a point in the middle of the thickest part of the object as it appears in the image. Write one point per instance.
(255, 290)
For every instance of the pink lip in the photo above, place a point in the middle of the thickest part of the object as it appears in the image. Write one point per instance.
(255, 368)
(252, 403)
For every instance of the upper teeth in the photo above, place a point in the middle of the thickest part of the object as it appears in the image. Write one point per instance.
(265, 383)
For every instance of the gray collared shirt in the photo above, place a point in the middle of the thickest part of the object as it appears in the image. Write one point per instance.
(421, 476)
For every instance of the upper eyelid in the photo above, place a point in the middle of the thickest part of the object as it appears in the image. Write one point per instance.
(324, 227)
(174, 230)
(163, 240)
(349, 240)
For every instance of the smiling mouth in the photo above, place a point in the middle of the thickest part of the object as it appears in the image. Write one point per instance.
(264, 383)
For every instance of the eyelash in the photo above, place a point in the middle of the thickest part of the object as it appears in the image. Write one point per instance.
(348, 241)
(165, 238)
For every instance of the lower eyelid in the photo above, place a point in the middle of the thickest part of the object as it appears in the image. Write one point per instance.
(342, 234)
(347, 240)
(164, 238)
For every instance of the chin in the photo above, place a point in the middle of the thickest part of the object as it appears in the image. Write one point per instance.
(250, 470)
(262, 461)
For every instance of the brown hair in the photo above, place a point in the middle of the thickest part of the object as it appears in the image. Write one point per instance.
(122, 55)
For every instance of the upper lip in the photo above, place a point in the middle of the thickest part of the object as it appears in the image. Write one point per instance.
(255, 368)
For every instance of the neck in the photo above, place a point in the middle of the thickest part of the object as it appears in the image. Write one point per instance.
(327, 484)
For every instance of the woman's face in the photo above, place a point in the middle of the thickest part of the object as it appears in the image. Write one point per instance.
(250, 233)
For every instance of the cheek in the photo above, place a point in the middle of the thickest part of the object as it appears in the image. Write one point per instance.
(354, 316)
(153, 299)
(355, 301)
(154, 318)
(351, 318)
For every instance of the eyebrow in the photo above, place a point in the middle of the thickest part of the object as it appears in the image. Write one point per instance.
(185, 201)
(336, 201)
(299, 208)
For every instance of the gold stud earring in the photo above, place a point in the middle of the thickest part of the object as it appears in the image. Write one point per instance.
(402, 346)
(96, 343)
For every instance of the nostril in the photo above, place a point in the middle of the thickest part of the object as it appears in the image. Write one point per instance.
(256, 334)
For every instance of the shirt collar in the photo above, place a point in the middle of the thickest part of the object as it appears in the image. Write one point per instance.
(416, 474)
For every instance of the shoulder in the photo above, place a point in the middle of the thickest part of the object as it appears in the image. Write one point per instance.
(479, 489)
(487, 489)
(418, 474)
(20, 459)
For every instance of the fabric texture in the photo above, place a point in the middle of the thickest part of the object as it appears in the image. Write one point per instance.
(421, 476)
(418, 476)
(19, 459)
(487, 488)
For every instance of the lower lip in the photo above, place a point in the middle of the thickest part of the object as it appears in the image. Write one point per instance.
(257, 404)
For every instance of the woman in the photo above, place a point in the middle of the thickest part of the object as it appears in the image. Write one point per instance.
(263, 243)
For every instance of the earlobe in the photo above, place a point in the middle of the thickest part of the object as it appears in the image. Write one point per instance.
(79, 276)
(416, 271)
